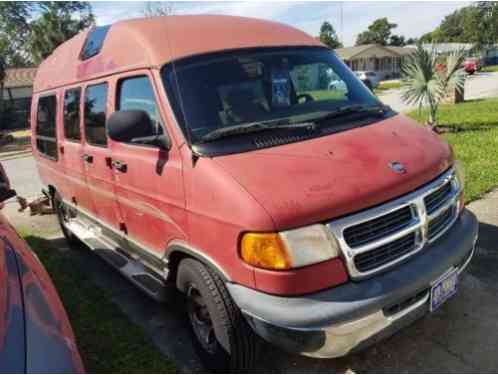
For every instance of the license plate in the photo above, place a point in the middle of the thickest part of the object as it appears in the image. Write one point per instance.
(443, 289)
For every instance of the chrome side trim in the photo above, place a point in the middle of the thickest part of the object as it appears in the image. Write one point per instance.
(419, 225)
(116, 232)
(175, 245)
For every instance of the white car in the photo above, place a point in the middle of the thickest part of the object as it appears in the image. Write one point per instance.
(338, 85)
(370, 79)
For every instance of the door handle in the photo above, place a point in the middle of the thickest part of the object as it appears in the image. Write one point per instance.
(119, 165)
(87, 158)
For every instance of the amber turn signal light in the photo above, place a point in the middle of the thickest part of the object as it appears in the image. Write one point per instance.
(265, 250)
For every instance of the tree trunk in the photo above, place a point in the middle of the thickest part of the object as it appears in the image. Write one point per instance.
(1, 107)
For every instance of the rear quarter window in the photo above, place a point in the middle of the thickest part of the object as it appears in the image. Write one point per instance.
(46, 137)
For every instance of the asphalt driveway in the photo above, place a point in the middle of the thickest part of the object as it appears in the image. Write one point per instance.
(461, 337)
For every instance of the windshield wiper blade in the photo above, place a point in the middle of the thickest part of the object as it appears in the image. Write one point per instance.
(254, 127)
(351, 109)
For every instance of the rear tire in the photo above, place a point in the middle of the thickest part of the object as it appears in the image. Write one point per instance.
(222, 337)
(62, 213)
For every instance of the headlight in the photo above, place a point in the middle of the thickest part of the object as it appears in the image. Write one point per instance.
(460, 181)
(289, 249)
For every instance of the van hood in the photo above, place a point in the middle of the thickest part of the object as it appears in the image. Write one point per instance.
(328, 177)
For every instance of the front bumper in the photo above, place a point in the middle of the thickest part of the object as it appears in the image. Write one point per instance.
(337, 321)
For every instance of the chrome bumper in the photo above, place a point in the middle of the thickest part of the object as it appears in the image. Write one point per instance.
(350, 317)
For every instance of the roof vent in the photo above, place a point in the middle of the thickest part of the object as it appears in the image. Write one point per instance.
(94, 42)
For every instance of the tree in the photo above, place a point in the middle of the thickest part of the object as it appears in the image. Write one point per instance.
(56, 25)
(154, 8)
(2, 79)
(476, 24)
(397, 41)
(425, 81)
(34, 29)
(378, 33)
(14, 30)
(487, 12)
(328, 36)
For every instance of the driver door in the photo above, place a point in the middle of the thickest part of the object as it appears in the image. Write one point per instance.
(148, 180)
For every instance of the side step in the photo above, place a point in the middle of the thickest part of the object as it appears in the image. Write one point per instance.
(130, 268)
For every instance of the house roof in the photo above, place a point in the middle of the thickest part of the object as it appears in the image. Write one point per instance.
(155, 41)
(349, 53)
(19, 77)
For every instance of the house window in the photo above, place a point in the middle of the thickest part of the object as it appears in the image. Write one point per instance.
(46, 139)
(72, 114)
(95, 114)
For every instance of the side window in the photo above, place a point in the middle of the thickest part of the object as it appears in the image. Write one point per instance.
(72, 114)
(137, 94)
(95, 114)
(46, 141)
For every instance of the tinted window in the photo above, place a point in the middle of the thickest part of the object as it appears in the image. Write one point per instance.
(72, 114)
(242, 87)
(137, 94)
(45, 126)
(94, 42)
(95, 114)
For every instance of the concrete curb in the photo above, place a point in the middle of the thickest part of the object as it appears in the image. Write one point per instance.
(15, 155)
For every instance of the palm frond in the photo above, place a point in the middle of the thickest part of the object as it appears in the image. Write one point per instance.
(425, 81)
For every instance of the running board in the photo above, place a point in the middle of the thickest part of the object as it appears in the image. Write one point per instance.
(132, 269)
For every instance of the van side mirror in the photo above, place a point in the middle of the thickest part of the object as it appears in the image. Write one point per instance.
(135, 126)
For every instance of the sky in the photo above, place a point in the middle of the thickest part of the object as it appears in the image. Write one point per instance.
(414, 18)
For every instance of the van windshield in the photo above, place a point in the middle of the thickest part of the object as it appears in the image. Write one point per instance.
(272, 87)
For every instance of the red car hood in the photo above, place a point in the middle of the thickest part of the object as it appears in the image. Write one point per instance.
(324, 178)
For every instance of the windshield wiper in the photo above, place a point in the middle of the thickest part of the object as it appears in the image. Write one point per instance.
(254, 127)
(352, 109)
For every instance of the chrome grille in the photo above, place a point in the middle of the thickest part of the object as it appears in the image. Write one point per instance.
(372, 230)
(439, 223)
(436, 199)
(380, 237)
(384, 254)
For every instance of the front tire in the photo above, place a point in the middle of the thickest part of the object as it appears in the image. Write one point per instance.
(222, 337)
(63, 214)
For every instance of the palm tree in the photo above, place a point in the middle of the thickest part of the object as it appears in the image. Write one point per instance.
(427, 78)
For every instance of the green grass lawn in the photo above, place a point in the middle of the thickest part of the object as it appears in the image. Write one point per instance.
(473, 133)
(387, 85)
(325, 94)
(107, 340)
(490, 68)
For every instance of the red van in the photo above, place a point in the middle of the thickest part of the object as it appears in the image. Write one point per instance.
(208, 154)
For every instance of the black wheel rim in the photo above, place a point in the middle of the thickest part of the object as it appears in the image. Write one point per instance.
(200, 320)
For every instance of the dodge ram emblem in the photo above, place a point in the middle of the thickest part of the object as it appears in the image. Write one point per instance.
(397, 167)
